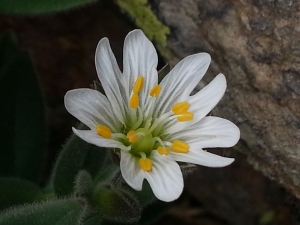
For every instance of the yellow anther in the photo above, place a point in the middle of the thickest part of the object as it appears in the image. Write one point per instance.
(132, 136)
(145, 164)
(103, 131)
(186, 116)
(138, 85)
(155, 91)
(163, 150)
(180, 146)
(180, 107)
(134, 101)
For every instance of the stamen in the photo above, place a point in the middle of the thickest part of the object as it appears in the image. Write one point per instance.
(164, 118)
(134, 101)
(145, 164)
(132, 136)
(155, 91)
(139, 120)
(186, 116)
(159, 141)
(138, 85)
(180, 146)
(163, 150)
(180, 107)
(103, 131)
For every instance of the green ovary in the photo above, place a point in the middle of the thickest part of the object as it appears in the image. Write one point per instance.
(145, 143)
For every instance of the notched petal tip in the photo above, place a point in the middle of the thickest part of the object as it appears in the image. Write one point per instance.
(202, 158)
(165, 178)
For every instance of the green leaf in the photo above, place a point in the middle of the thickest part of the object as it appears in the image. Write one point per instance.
(15, 192)
(22, 113)
(39, 6)
(92, 218)
(56, 212)
(76, 155)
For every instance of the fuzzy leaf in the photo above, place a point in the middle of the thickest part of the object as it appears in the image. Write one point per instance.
(39, 6)
(15, 192)
(58, 212)
(22, 113)
(76, 155)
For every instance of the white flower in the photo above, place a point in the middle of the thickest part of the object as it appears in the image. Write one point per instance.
(153, 125)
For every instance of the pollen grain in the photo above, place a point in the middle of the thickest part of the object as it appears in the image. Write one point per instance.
(103, 131)
(132, 136)
(138, 85)
(155, 91)
(134, 101)
(145, 164)
(180, 107)
(186, 116)
(163, 150)
(180, 146)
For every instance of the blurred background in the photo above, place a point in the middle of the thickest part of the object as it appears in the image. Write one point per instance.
(62, 46)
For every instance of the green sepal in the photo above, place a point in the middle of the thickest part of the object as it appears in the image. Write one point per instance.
(76, 155)
(83, 183)
(22, 112)
(39, 6)
(16, 191)
(58, 212)
(115, 204)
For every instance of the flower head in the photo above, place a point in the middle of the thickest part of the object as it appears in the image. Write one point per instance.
(153, 125)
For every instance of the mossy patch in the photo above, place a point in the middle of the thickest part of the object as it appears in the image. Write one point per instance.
(144, 18)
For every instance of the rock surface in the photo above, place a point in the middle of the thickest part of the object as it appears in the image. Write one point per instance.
(256, 45)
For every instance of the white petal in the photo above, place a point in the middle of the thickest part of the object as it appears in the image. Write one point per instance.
(181, 80)
(91, 108)
(140, 58)
(203, 102)
(165, 177)
(208, 97)
(131, 171)
(92, 137)
(110, 76)
(210, 132)
(197, 156)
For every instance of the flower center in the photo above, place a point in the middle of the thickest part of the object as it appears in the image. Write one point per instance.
(142, 134)
(141, 141)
